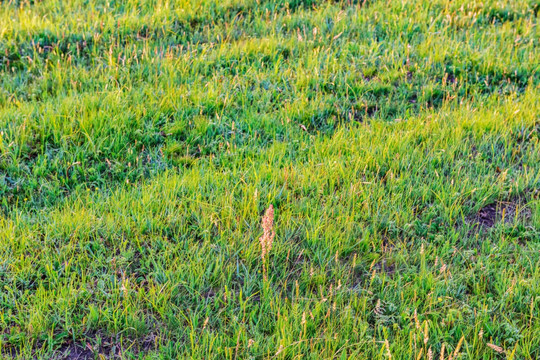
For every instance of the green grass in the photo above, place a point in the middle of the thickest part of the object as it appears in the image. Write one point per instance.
(142, 141)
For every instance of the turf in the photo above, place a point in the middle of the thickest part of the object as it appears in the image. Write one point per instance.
(141, 143)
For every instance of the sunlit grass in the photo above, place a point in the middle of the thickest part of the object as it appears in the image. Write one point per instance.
(396, 142)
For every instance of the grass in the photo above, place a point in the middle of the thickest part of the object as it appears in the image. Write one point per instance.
(142, 142)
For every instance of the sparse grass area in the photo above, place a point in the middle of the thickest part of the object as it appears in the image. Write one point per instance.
(141, 143)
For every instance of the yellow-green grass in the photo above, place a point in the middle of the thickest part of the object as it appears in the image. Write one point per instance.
(142, 141)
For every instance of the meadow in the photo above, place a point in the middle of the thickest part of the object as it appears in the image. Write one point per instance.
(270, 179)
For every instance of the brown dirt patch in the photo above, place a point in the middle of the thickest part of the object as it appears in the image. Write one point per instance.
(499, 211)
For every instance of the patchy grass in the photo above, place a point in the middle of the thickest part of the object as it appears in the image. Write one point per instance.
(141, 143)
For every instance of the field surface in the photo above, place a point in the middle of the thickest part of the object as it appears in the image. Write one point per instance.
(257, 179)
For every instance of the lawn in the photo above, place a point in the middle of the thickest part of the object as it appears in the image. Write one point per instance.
(270, 179)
